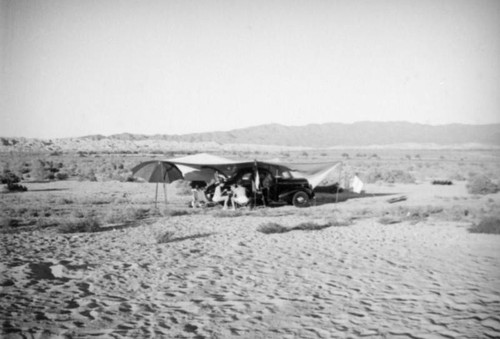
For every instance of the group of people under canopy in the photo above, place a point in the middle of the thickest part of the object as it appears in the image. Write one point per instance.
(234, 194)
(199, 170)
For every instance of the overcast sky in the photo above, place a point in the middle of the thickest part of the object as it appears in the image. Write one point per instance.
(73, 67)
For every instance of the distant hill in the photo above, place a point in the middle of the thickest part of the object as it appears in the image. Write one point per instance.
(337, 134)
(360, 134)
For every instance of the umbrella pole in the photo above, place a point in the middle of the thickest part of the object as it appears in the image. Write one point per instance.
(156, 196)
(165, 193)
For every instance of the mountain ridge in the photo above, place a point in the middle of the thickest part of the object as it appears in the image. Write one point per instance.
(326, 135)
(363, 133)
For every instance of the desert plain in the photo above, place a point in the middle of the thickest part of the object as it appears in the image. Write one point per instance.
(90, 256)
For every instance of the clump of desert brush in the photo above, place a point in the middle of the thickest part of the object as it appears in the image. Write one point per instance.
(274, 227)
(489, 225)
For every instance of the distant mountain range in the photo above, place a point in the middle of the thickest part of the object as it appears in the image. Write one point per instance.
(360, 134)
(337, 134)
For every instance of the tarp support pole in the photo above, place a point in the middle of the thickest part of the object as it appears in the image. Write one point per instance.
(338, 186)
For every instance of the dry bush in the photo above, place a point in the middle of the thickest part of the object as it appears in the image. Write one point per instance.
(47, 222)
(165, 237)
(83, 225)
(116, 216)
(272, 227)
(97, 200)
(7, 222)
(176, 213)
(79, 213)
(11, 181)
(87, 174)
(229, 213)
(310, 226)
(65, 201)
(389, 176)
(489, 225)
(388, 220)
(412, 214)
(481, 184)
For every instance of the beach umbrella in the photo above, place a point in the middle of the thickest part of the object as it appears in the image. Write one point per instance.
(158, 172)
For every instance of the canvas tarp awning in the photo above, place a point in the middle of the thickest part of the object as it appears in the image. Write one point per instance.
(203, 166)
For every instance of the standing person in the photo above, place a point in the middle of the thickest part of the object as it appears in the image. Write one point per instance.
(266, 186)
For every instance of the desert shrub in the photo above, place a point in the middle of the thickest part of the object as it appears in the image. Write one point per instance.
(411, 214)
(47, 222)
(7, 177)
(65, 201)
(62, 176)
(25, 168)
(272, 227)
(6, 222)
(165, 237)
(310, 226)
(229, 213)
(175, 213)
(126, 214)
(98, 200)
(79, 213)
(490, 225)
(82, 225)
(139, 213)
(115, 216)
(481, 184)
(340, 223)
(388, 220)
(442, 182)
(389, 176)
(11, 180)
(88, 175)
(16, 188)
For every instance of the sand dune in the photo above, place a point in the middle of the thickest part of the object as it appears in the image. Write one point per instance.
(221, 278)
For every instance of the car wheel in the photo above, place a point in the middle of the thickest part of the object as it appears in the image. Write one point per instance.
(300, 199)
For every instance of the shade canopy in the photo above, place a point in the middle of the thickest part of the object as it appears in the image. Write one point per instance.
(204, 167)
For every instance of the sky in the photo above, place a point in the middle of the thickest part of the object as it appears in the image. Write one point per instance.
(71, 68)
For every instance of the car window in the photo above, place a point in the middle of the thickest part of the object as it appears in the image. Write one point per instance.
(246, 176)
(286, 175)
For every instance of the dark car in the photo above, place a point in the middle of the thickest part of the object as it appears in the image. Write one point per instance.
(272, 190)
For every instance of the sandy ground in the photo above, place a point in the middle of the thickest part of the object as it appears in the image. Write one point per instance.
(221, 278)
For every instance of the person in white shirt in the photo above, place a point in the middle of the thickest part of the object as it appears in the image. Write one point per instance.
(220, 194)
(239, 195)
